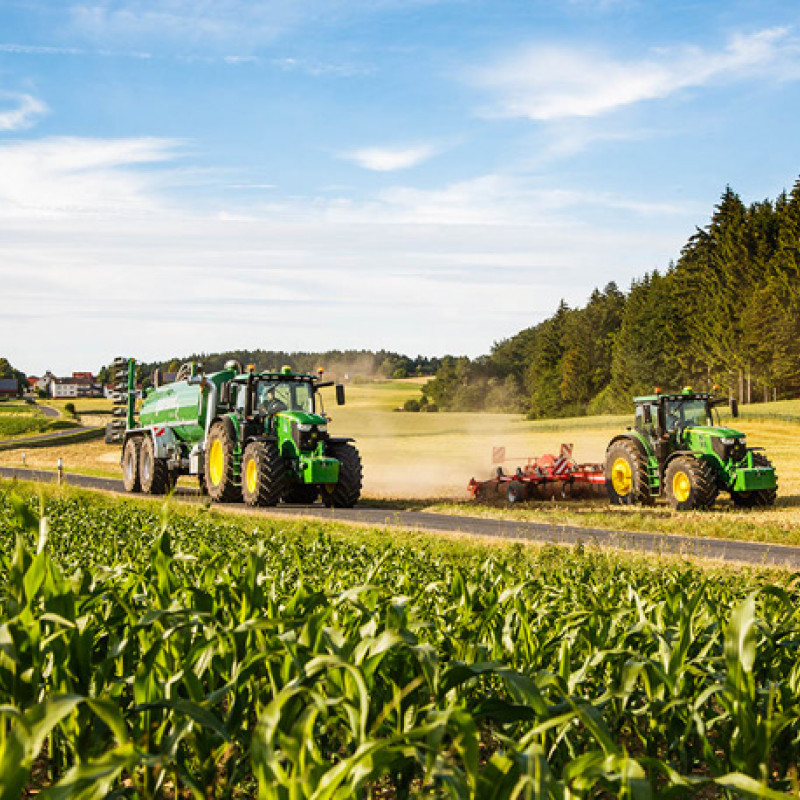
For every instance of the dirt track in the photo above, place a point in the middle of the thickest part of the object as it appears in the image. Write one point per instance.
(753, 553)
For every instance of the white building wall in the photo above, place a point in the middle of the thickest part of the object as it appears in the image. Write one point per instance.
(63, 389)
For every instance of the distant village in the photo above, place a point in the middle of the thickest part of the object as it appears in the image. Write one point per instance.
(80, 384)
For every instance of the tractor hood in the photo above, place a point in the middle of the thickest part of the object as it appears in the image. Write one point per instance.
(302, 418)
(729, 445)
(719, 432)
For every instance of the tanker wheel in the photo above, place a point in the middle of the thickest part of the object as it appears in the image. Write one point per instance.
(626, 474)
(690, 483)
(263, 474)
(219, 466)
(305, 493)
(346, 492)
(130, 464)
(153, 473)
(758, 497)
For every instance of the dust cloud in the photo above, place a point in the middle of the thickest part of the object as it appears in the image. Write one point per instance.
(423, 456)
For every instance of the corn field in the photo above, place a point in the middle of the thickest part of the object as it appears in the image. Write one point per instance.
(173, 654)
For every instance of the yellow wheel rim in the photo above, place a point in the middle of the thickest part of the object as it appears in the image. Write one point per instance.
(251, 475)
(621, 477)
(216, 462)
(681, 487)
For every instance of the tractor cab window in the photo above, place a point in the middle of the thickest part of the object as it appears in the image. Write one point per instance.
(273, 397)
(645, 419)
(686, 412)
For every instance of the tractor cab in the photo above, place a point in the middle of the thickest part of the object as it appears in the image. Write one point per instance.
(666, 417)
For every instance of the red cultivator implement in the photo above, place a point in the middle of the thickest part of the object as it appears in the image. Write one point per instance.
(544, 477)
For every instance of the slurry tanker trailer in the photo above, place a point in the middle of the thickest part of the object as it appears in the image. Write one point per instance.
(257, 436)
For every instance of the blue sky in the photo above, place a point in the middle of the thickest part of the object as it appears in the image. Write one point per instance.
(428, 177)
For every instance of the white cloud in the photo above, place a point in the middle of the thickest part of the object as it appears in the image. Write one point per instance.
(24, 115)
(390, 159)
(85, 176)
(549, 82)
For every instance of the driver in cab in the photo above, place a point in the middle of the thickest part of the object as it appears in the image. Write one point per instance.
(271, 405)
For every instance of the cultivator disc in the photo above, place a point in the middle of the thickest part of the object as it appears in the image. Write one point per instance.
(546, 477)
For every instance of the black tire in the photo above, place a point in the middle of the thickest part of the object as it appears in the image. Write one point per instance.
(153, 473)
(626, 474)
(760, 497)
(690, 483)
(516, 493)
(347, 491)
(130, 464)
(304, 493)
(263, 474)
(221, 479)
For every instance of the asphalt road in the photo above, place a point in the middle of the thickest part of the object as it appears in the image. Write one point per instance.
(752, 553)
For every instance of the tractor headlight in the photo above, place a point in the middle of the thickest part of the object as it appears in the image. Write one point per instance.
(304, 427)
(728, 442)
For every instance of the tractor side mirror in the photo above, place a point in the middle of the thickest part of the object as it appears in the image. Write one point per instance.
(734, 407)
(339, 394)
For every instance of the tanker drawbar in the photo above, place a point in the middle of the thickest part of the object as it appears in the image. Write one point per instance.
(261, 437)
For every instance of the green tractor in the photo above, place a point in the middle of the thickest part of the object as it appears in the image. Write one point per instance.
(678, 450)
(257, 436)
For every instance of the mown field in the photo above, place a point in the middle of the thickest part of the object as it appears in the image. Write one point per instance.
(22, 419)
(148, 653)
(426, 460)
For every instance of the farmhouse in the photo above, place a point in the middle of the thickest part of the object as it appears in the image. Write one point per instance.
(8, 387)
(81, 384)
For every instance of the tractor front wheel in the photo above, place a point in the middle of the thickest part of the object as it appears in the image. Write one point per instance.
(758, 497)
(153, 472)
(263, 474)
(346, 492)
(130, 464)
(219, 466)
(690, 483)
(626, 474)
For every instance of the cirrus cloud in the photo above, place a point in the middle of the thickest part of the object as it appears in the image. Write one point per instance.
(547, 82)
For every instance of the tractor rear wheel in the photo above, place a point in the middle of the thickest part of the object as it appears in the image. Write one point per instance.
(153, 472)
(130, 464)
(346, 492)
(758, 497)
(626, 474)
(263, 474)
(690, 483)
(219, 466)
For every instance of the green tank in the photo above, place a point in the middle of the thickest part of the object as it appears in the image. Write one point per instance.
(258, 437)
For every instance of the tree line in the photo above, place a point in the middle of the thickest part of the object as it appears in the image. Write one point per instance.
(351, 365)
(726, 313)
